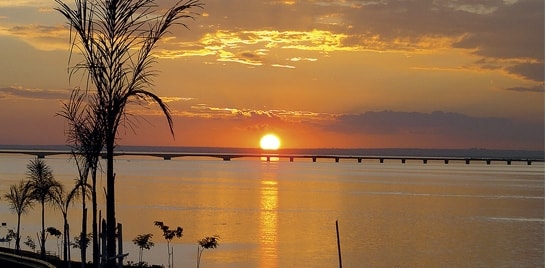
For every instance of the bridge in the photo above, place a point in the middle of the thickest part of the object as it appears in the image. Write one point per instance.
(291, 157)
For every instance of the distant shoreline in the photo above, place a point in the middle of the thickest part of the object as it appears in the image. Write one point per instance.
(471, 152)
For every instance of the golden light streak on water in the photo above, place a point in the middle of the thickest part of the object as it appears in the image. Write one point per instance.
(268, 223)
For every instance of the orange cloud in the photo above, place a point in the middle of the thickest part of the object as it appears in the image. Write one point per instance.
(18, 92)
(40, 37)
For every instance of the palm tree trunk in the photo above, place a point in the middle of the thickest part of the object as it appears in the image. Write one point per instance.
(65, 238)
(18, 236)
(95, 225)
(42, 245)
(68, 245)
(110, 202)
(83, 237)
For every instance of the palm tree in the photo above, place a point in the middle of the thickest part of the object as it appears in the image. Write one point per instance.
(87, 138)
(43, 188)
(64, 200)
(20, 202)
(116, 39)
(84, 166)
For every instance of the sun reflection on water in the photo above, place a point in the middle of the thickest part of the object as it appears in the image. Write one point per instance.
(268, 223)
(270, 158)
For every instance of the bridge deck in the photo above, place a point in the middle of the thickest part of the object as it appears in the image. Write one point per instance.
(291, 157)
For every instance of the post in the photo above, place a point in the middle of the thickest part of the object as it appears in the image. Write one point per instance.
(120, 246)
(100, 245)
(338, 246)
(104, 258)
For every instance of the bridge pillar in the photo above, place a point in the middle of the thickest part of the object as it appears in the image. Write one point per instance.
(291, 159)
(337, 159)
(403, 160)
(467, 161)
(359, 160)
(425, 161)
(226, 158)
(381, 160)
(509, 162)
(167, 157)
(40, 155)
(488, 161)
(268, 158)
(446, 161)
(529, 162)
(314, 159)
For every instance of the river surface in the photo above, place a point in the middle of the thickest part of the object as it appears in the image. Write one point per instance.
(283, 214)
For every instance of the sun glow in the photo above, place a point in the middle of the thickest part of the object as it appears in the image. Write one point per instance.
(270, 142)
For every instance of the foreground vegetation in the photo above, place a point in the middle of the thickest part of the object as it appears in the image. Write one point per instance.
(41, 187)
(113, 42)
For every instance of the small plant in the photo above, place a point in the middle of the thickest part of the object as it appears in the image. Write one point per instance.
(143, 241)
(30, 243)
(137, 264)
(143, 264)
(10, 236)
(79, 243)
(169, 235)
(206, 243)
(55, 232)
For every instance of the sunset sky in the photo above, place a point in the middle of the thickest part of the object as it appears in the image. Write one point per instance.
(319, 74)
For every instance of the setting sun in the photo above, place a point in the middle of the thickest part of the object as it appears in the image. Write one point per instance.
(270, 142)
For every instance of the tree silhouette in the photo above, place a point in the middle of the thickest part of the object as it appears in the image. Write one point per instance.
(169, 234)
(82, 241)
(83, 166)
(43, 188)
(30, 243)
(20, 201)
(116, 39)
(143, 241)
(55, 232)
(86, 136)
(10, 236)
(64, 200)
(206, 243)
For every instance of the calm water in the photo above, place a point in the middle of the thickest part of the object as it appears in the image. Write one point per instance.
(283, 214)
